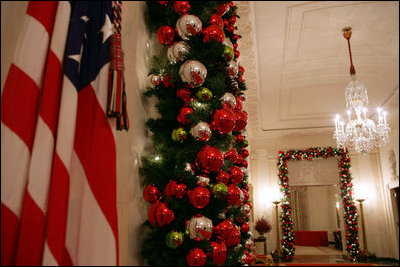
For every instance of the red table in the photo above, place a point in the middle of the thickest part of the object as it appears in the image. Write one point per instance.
(312, 238)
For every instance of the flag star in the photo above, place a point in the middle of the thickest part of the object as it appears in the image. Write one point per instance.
(77, 58)
(107, 29)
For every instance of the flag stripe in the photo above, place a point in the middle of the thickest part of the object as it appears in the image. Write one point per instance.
(32, 50)
(14, 169)
(59, 198)
(19, 104)
(31, 237)
(52, 92)
(95, 146)
(44, 12)
(9, 236)
(85, 223)
(57, 213)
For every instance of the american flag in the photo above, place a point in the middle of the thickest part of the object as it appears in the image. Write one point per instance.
(58, 155)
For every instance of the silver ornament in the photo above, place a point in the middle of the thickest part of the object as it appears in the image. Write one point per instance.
(241, 198)
(188, 25)
(222, 215)
(153, 80)
(193, 72)
(199, 227)
(177, 51)
(228, 42)
(233, 68)
(229, 98)
(201, 131)
(203, 180)
(245, 208)
(188, 168)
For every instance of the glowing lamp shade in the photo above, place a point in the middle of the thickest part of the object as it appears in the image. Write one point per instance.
(362, 191)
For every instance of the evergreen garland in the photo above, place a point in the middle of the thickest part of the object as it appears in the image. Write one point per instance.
(346, 186)
(174, 159)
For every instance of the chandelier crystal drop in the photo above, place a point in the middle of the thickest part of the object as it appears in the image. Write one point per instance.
(359, 131)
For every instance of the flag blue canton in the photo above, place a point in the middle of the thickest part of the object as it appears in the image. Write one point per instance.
(88, 43)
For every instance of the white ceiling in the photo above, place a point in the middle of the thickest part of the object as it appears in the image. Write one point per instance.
(303, 64)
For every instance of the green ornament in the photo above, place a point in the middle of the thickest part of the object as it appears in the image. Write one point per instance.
(204, 94)
(220, 190)
(174, 239)
(246, 143)
(228, 53)
(179, 134)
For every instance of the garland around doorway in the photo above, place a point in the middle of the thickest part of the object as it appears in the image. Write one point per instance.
(346, 187)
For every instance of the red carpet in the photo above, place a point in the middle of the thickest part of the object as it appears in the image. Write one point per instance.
(327, 264)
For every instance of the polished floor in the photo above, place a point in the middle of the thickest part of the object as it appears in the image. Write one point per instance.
(326, 255)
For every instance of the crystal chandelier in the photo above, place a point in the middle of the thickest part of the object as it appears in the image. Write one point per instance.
(359, 131)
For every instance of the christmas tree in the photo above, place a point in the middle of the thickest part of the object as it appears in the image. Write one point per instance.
(196, 177)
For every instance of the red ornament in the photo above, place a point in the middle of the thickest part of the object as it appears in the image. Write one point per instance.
(231, 155)
(182, 116)
(199, 197)
(239, 138)
(240, 79)
(236, 174)
(231, 4)
(175, 189)
(235, 38)
(222, 9)
(245, 194)
(245, 227)
(196, 257)
(241, 121)
(239, 104)
(164, 215)
(181, 7)
(216, 20)
(244, 152)
(235, 45)
(223, 120)
(151, 193)
(223, 177)
(234, 194)
(226, 23)
(219, 252)
(152, 212)
(209, 159)
(236, 53)
(234, 238)
(213, 32)
(223, 230)
(159, 214)
(230, 28)
(239, 160)
(184, 94)
(233, 20)
(165, 35)
(167, 81)
(241, 70)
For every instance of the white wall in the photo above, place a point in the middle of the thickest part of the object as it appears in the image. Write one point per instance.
(365, 170)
